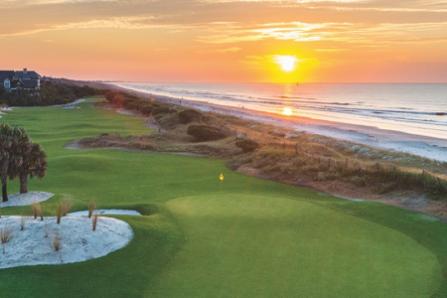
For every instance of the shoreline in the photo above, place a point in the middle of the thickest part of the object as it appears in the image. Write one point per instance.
(422, 146)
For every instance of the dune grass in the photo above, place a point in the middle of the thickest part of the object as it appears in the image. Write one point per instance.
(199, 237)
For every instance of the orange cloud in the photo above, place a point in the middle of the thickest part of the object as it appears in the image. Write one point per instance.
(198, 40)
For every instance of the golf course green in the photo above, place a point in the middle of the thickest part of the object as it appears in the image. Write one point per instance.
(199, 237)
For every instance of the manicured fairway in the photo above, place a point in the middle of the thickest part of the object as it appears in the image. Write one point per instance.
(201, 238)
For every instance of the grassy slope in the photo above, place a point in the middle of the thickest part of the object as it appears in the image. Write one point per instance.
(242, 238)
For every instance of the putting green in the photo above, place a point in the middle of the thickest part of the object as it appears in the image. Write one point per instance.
(244, 237)
(264, 246)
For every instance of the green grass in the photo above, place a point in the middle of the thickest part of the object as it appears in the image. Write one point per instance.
(244, 237)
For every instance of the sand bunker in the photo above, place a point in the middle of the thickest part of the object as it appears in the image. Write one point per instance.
(34, 245)
(107, 212)
(26, 199)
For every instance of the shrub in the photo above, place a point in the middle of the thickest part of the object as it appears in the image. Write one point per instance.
(162, 110)
(206, 133)
(247, 145)
(188, 116)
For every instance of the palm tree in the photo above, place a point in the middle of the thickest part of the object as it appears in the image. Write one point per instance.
(33, 164)
(9, 137)
(4, 158)
(19, 157)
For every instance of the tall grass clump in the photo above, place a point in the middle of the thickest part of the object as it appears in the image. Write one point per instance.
(22, 223)
(45, 231)
(37, 211)
(62, 209)
(94, 222)
(5, 237)
(91, 208)
(66, 206)
(56, 243)
(58, 213)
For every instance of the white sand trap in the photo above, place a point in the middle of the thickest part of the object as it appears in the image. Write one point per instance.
(26, 198)
(33, 246)
(107, 212)
(73, 105)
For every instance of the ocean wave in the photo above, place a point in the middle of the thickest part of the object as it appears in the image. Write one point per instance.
(348, 107)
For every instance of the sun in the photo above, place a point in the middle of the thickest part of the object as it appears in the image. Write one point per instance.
(287, 111)
(287, 63)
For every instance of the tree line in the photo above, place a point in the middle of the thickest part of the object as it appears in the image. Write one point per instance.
(19, 158)
(52, 92)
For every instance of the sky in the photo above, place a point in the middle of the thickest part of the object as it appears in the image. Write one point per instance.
(227, 40)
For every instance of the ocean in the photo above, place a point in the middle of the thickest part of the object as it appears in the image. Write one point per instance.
(419, 110)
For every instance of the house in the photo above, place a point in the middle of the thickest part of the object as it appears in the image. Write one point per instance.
(6, 77)
(12, 80)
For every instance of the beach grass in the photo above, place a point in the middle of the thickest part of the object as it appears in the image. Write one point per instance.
(200, 237)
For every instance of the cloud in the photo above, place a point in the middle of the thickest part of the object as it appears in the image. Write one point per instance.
(226, 21)
(237, 32)
(350, 5)
(229, 50)
(21, 3)
(123, 23)
(286, 1)
(352, 33)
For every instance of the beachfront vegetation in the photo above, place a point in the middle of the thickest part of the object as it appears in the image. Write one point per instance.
(308, 160)
(200, 237)
(131, 102)
(203, 133)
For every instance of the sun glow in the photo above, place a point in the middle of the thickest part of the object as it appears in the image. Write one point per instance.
(287, 111)
(287, 63)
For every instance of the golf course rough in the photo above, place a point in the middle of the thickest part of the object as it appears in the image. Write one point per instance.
(199, 237)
